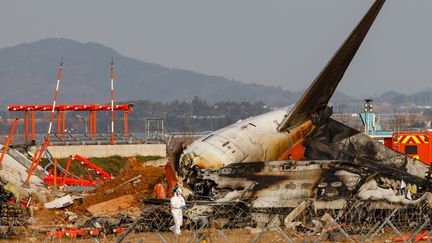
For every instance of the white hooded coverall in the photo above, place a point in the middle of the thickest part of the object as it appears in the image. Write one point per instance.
(177, 204)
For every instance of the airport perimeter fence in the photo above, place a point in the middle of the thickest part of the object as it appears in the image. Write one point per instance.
(355, 225)
(333, 232)
(387, 230)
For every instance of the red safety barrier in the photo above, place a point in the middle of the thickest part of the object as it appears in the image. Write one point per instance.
(119, 230)
(95, 232)
(76, 232)
(62, 180)
(98, 170)
(70, 181)
(419, 237)
(57, 234)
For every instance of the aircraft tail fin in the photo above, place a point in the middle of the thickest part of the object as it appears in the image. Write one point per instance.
(321, 90)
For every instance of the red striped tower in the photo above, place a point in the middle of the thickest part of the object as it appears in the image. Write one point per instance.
(55, 98)
(46, 141)
(112, 101)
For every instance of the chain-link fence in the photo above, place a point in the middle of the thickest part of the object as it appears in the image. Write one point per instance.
(357, 222)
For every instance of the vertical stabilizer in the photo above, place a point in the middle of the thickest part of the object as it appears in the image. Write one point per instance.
(321, 90)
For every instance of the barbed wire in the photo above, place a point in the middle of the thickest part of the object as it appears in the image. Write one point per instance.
(354, 222)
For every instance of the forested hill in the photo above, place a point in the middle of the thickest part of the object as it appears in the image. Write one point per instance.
(28, 73)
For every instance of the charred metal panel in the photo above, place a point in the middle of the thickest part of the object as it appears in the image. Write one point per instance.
(336, 141)
(285, 184)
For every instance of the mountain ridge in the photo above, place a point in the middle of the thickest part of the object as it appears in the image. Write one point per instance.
(28, 75)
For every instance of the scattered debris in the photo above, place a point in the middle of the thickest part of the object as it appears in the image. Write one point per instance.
(295, 213)
(79, 189)
(60, 202)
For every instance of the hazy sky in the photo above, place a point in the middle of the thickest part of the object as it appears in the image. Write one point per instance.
(277, 42)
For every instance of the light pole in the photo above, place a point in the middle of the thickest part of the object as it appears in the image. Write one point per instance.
(85, 122)
(367, 109)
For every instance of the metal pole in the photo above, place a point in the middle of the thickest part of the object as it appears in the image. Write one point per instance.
(112, 101)
(85, 123)
(126, 123)
(91, 123)
(367, 122)
(36, 159)
(395, 230)
(381, 226)
(55, 174)
(6, 146)
(95, 123)
(411, 239)
(63, 123)
(33, 127)
(26, 120)
(67, 170)
(58, 123)
(46, 141)
(55, 98)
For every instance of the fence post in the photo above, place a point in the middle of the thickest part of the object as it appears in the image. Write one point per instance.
(128, 230)
(343, 232)
(395, 230)
(411, 239)
(334, 224)
(372, 230)
(265, 229)
(222, 235)
(197, 233)
(283, 234)
(270, 226)
(160, 237)
(381, 226)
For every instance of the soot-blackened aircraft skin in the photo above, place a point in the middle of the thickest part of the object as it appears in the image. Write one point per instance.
(249, 159)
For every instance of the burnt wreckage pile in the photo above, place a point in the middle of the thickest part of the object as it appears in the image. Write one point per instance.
(345, 174)
(12, 214)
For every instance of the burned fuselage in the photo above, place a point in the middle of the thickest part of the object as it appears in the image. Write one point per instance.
(253, 139)
(354, 167)
(249, 160)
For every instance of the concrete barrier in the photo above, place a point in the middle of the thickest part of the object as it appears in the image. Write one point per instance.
(124, 150)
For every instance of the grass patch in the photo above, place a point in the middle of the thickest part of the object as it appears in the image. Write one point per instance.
(111, 165)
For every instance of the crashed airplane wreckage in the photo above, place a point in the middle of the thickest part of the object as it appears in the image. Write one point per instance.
(341, 168)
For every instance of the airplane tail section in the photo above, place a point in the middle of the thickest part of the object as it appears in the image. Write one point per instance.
(321, 90)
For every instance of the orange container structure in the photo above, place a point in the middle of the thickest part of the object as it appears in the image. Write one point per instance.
(414, 144)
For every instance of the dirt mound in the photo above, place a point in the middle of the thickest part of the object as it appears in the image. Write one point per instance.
(150, 176)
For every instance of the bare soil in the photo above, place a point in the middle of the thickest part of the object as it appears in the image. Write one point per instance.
(150, 176)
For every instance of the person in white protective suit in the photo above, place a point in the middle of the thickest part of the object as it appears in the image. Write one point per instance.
(177, 205)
